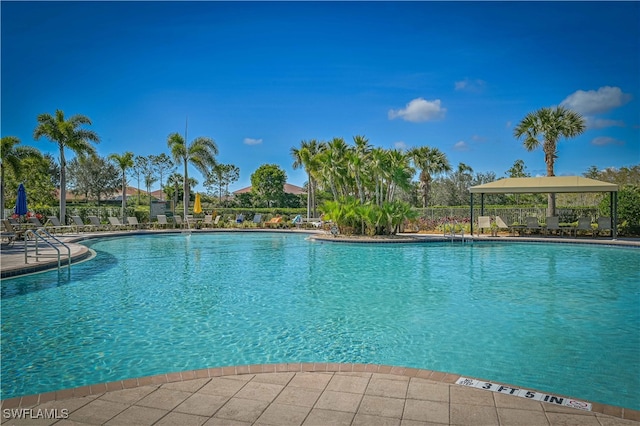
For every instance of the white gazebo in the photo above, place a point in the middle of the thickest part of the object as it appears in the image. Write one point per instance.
(548, 185)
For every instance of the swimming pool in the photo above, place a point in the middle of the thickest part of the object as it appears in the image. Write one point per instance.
(560, 318)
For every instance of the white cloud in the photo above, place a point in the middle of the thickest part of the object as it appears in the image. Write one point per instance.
(400, 145)
(470, 85)
(461, 146)
(601, 123)
(605, 140)
(251, 141)
(596, 101)
(419, 110)
(508, 125)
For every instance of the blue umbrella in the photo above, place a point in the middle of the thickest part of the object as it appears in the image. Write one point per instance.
(21, 201)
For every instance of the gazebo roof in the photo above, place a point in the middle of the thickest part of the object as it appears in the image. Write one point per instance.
(533, 185)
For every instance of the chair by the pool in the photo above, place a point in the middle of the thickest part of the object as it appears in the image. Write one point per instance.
(208, 221)
(178, 221)
(116, 225)
(240, 218)
(36, 222)
(257, 218)
(95, 222)
(216, 222)
(512, 229)
(532, 224)
(162, 221)
(10, 233)
(57, 226)
(484, 222)
(604, 224)
(584, 224)
(553, 224)
(273, 222)
(133, 222)
(80, 225)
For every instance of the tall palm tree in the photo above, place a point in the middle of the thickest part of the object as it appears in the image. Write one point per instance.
(429, 161)
(201, 153)
(124, 162)
(357, 159)
(307, 157)
(11, 157)
(67, 134)
(549, 124)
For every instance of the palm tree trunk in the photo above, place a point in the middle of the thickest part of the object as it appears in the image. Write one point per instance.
(63, 187)
(124, 196)
(185, 188)
(308, 195)
(2, 191)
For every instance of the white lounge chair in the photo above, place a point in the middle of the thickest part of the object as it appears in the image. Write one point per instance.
(133, 222)
(208, 221)
(484, 222)
(178, 221)
(162, 221)
(512, 228)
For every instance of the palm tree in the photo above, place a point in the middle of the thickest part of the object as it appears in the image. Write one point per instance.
(357, 159)
(307, 156)
(124, 162)
(201, 153)
(550, 124)
(67, 134)
(11, 156)
(429, 161)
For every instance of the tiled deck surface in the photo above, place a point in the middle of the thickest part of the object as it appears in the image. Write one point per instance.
(292, 394)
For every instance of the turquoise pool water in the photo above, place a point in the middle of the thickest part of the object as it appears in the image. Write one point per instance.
(560, 318)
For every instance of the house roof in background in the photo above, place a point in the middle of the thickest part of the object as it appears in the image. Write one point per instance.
(288, 189)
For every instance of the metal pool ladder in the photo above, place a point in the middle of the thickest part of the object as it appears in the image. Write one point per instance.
(451, 225)
(37, 234)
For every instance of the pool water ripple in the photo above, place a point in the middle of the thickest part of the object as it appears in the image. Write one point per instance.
(555, 317)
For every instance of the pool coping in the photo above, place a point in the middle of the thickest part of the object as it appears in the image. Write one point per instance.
(436, 376)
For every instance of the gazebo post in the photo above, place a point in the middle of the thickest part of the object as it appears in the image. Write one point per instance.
(613, 207)
(471, 229)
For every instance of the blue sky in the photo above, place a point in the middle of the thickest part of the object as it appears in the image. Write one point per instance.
(259, 77)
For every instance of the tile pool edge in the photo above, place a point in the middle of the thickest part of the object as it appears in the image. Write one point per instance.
(437, 376)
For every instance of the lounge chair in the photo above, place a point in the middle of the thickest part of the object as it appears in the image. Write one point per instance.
(36, 222)
(584, 224)
(297, 221)
(257, 218)
(57, 226)
(532, 224)
(162, 221)
(115, 223)
(133, 222)
(95, 222)
(240, 218)
(10, 233)
(553, 224)
(511, 228)
(178, 221)
(208, 221)
(80, 224)
(217, 221)
(274, 222)
(604, 224)
(484, 222)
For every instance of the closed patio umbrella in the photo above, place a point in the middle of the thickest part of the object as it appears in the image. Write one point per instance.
(197, 206)
(21, 202)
